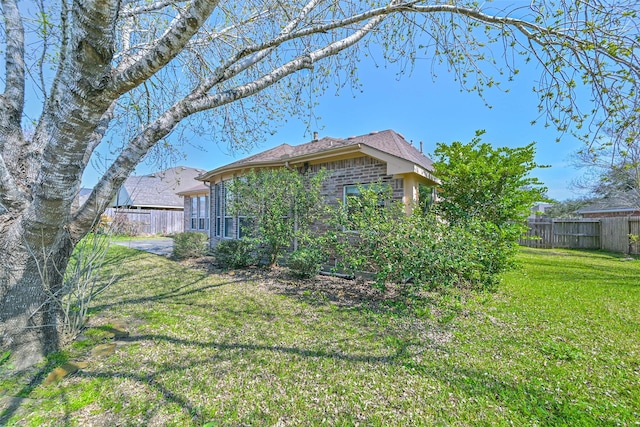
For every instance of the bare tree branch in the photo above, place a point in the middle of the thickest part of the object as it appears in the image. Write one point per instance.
(139, 67)
(255, 54)
(105, 189)
(130, 11)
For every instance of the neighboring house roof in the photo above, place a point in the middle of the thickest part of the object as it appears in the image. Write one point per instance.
(539, 209)
(157, 190)
(611, 205)
(387, 145)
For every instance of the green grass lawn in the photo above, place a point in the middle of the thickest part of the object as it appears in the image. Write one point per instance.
(557, 344)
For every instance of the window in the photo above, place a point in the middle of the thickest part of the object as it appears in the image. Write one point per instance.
(217, 194)
(245, 224)
(203, 210)
(353, 194)
(224, 221)
(228, 219)
(351, 191)
(194, 212)
(382, 190)
(199, 212)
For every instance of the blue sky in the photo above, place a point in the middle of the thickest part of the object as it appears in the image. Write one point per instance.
(422, 110)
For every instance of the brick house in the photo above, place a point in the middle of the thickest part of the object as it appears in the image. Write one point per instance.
(377, 157)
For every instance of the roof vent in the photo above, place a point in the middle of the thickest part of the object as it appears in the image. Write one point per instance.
(315, 136)
(373, 133)
(351, 137)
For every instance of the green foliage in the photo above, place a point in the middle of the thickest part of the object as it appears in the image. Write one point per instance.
(567, 208)
(189, 244)
(280, 203)
(416, 251)
(237, 253)
(4, 357)
(488, 184)
(634, 241)
(305, 263)
(362, 233)
(488, 191)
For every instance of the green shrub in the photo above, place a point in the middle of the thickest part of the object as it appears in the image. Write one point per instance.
(305, 263)
(189, 245)
(419, 251)
(280, 205)
(239, 253)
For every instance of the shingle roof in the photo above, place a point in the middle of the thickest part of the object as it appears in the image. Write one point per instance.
(387, 141)
(158, 189)
(626, 203)
(393, 143)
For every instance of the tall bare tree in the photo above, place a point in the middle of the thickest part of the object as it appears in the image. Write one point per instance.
(127, 73)
(613, 165)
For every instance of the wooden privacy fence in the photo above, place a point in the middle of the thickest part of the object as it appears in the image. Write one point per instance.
(611, 234)
(145, 221)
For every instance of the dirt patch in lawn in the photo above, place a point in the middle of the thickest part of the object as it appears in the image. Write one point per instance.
(323, 288)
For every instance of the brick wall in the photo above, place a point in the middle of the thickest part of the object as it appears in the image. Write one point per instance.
(359, 170)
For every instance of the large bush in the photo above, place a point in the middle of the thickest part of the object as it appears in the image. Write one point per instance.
(420, 251)
(189, 245)
(237, 253)
(482, 184)
(305, 263)
(467, 239)
(373, 234)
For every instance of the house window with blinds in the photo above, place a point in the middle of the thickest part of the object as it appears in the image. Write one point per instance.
(218, 209)
(203, 211)
(199, 212)
(194, 213)
(228, 229)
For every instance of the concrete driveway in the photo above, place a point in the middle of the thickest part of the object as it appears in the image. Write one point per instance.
(162, 246)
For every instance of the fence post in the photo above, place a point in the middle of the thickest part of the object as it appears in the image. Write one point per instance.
(629, 235)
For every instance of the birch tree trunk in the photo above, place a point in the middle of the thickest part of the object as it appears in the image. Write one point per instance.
(135, 70)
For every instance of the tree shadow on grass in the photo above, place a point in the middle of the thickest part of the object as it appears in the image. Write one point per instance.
(532, 402)
(349, 293)
(190, 288)
(529, 401)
